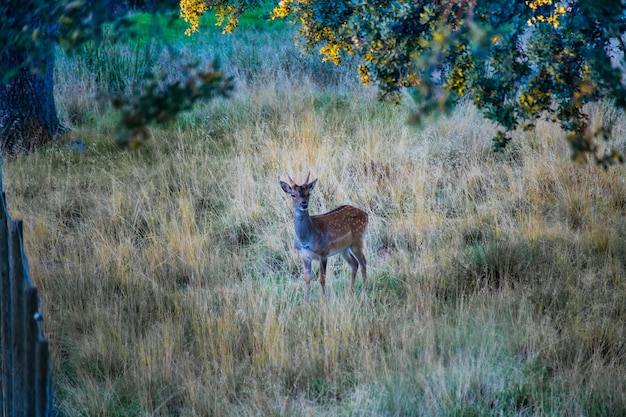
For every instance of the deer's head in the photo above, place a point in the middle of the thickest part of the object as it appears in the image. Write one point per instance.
(299, 193)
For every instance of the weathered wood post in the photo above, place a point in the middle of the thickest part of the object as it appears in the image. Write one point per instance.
(24, 357)
(17, 312)
(5, 311)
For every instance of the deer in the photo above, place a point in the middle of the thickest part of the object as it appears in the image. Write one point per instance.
(340, 231)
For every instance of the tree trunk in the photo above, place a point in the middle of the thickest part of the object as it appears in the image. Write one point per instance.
(28, 116)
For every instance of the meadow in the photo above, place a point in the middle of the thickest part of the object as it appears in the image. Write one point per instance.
(170, 285)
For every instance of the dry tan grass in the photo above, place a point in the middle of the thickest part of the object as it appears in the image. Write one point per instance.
(170, 285)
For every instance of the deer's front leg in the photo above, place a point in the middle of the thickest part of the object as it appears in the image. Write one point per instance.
(323, 263)
(307, 277)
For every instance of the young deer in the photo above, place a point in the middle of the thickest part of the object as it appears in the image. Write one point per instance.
(340, 231)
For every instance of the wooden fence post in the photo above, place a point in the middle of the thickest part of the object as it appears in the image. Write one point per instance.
(24, 358)
(17, 306)
(31, 304)
(5, 311)
(42, 380)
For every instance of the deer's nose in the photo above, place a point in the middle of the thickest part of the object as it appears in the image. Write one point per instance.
(304, 205)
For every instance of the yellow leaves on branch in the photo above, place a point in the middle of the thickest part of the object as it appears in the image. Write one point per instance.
(191, 11)
(223, 12)
(534, 101)
(534, 4)
(457, 81)
(364, 74)
(282, 10)
(553, 18)
(331, 52)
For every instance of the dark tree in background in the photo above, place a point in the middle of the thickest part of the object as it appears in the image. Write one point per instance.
(28, 117)
(30, 32)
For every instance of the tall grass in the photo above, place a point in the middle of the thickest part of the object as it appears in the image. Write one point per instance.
(170, 285)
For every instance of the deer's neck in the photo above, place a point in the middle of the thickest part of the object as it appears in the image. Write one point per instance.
(303, 225)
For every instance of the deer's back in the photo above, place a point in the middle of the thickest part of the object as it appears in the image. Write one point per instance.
(342, 220)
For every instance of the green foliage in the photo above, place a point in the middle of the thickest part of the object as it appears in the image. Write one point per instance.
(27, 26)
(516, 61)
(81, 22)
(162, 100)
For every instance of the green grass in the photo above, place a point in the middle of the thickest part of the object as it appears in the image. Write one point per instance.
(170, 286)
(170, 28)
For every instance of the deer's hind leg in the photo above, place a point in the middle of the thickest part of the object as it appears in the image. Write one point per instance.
(359, 257)
(354, 265)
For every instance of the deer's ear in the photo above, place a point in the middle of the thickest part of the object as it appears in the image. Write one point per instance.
(312, 184)
(286, 188)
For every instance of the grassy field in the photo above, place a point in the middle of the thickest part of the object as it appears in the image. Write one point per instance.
(170, 286)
